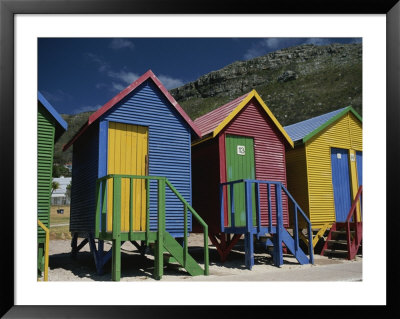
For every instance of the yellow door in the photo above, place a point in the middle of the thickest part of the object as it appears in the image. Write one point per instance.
(127, 154)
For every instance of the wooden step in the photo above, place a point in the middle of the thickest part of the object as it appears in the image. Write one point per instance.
(337, 241)
(335, 252)
(341, 232)
(177, 252)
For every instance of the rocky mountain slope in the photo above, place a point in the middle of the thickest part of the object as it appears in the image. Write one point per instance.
(296, 83)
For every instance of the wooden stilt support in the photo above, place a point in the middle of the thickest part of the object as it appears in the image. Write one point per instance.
(116, 226)
(249, 250)
(116, 259)
(217, 245)
(235, 238)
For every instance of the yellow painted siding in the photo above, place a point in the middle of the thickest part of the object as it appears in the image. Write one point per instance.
(127, 152)
(345, 133)
(356, 132)
(296, 171)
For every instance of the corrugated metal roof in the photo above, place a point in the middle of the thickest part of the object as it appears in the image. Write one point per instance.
(210, 121)
(116, 99)
(214, 121)
(300, 130)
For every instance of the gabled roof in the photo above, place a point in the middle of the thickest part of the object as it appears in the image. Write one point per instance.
(303, 131)
(110, 104)
(212, 123)
(52, 111)
(61, 124)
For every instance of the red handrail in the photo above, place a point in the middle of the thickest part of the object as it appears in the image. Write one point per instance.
(354, 205)
(353, 245)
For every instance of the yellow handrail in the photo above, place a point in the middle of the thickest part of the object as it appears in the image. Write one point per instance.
(46, 252)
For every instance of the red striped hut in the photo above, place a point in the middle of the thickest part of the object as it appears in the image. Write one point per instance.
(239, 140)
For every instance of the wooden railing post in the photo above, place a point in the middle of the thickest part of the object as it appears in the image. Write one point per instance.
(147, 212)
(231, 190)
(221, 203)
(159, 262)
(249, 258)
(269, 209)
(131, 208)
(258, 209)
(185, 241)
(206, 258)
(104, 206)
(116, 229)
(278, 257)
(46, 250)
(310, 244)
(296, 229)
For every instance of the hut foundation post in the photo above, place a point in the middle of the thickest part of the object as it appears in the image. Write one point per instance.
(249, 246)
(116, 259)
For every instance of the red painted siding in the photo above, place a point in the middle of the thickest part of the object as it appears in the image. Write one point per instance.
(205, 185)
(210, 121)
(269, 151)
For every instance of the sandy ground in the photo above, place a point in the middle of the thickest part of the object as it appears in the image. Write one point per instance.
(135, 267)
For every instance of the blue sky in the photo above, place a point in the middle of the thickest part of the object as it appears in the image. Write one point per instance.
(82, 74)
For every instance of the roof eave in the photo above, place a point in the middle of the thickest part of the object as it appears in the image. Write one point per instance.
(116, 99)
(61, 122)
(238, 108)
(330, 121)
(274, 119)
(206, 137)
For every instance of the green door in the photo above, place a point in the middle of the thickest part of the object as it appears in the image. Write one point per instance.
(239, 165)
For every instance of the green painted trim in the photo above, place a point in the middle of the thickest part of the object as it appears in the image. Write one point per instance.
(158, 256)
(116, 259)
(330, 121)
(129, 236)
(162, 239)
(187, 262)
(104, 206)
(131, 205)
(116, 230)
(147, 211)
(185, 235)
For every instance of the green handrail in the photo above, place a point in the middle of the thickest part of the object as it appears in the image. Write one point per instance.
(101, 191)
(199, 219)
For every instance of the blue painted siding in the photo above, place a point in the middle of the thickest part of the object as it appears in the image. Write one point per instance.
(84, 174)
(169, 148)
(341, 182)
(359, 167)
(103, 140)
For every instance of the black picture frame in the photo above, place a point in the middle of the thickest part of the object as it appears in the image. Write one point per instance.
(8, 10)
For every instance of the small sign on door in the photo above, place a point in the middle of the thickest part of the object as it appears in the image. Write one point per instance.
(339, 156)
(352, 158)
(241, 150)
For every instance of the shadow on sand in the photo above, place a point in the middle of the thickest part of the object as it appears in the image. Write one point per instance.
(133, 264)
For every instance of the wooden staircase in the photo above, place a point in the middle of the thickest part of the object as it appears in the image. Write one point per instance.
(163, 242)
(344, 239)
(271, 235)
(179, 255)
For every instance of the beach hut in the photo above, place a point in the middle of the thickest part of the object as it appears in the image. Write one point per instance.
(50, 127)
(241, 140)
(131, 176)
(324, 170)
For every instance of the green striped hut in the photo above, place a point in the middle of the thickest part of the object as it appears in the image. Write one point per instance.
(50, 127)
